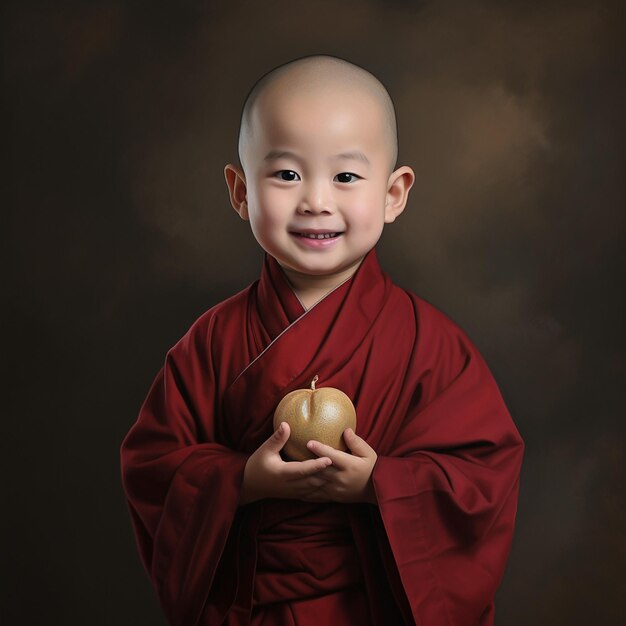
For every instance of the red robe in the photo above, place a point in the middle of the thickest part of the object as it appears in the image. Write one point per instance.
(431, 552)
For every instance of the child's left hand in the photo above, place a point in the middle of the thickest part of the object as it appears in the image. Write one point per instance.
(348, 479)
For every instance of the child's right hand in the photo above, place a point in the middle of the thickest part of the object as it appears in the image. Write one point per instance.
(266, 475)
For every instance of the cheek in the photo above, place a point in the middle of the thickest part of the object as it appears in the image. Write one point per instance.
(273, 198)
(271, 210)
(367, 213)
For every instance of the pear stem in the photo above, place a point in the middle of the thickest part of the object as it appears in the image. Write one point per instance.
(313, 382)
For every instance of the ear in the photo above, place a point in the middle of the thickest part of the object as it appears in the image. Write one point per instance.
(237, 191)
(400, 181)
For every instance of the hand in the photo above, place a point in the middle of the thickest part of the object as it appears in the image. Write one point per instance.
(266, 475)
(349, 478)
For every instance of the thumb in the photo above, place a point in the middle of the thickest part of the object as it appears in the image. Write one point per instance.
(359, 446)
(279, 438)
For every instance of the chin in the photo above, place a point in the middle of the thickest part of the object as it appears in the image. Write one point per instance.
(311, 269)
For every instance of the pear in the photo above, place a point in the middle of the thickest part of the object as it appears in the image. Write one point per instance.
(320, 414)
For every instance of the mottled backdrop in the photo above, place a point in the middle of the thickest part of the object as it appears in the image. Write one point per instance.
(119, 233)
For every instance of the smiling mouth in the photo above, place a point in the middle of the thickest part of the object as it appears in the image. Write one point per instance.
(317, 235)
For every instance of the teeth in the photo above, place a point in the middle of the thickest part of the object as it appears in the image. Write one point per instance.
(320, 236)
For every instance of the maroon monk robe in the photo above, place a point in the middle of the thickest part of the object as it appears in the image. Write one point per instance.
(431, 552)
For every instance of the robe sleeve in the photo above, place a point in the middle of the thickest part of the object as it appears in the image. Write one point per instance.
(182, 487)
(448, 494)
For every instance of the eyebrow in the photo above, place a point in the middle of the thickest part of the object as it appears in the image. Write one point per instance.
(355, 155)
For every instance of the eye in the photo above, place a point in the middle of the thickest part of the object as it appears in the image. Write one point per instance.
(287, 175)
(343, 176)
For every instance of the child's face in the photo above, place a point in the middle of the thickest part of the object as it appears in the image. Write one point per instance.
(319, 162)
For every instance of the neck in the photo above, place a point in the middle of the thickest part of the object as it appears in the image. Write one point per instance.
(311, 288)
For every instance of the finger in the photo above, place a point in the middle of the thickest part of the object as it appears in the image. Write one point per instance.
(279, 438)
(330, 472)
(357, 445)
(308, 483)
(301, 469)
(316, 481)
(336, 456)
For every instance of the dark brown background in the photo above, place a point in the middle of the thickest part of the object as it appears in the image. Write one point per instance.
(119, 232)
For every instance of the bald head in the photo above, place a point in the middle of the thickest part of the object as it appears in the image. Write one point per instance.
(317, 74)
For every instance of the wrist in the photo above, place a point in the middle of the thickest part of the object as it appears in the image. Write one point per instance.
(247, 492)
(370, 492)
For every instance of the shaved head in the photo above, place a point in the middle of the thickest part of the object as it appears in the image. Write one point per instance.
(320, 74)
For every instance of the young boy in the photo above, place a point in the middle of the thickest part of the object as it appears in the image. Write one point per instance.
(413, 524)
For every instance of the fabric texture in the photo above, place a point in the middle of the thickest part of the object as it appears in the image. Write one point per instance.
(431, 552)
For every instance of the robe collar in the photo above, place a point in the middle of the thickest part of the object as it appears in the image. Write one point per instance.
(279, 306)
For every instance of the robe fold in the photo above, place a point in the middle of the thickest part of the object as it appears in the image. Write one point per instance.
(431, 551)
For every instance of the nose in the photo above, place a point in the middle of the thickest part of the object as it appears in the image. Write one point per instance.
(317, 198)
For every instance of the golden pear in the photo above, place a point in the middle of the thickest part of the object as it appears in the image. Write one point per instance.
(320, 414)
